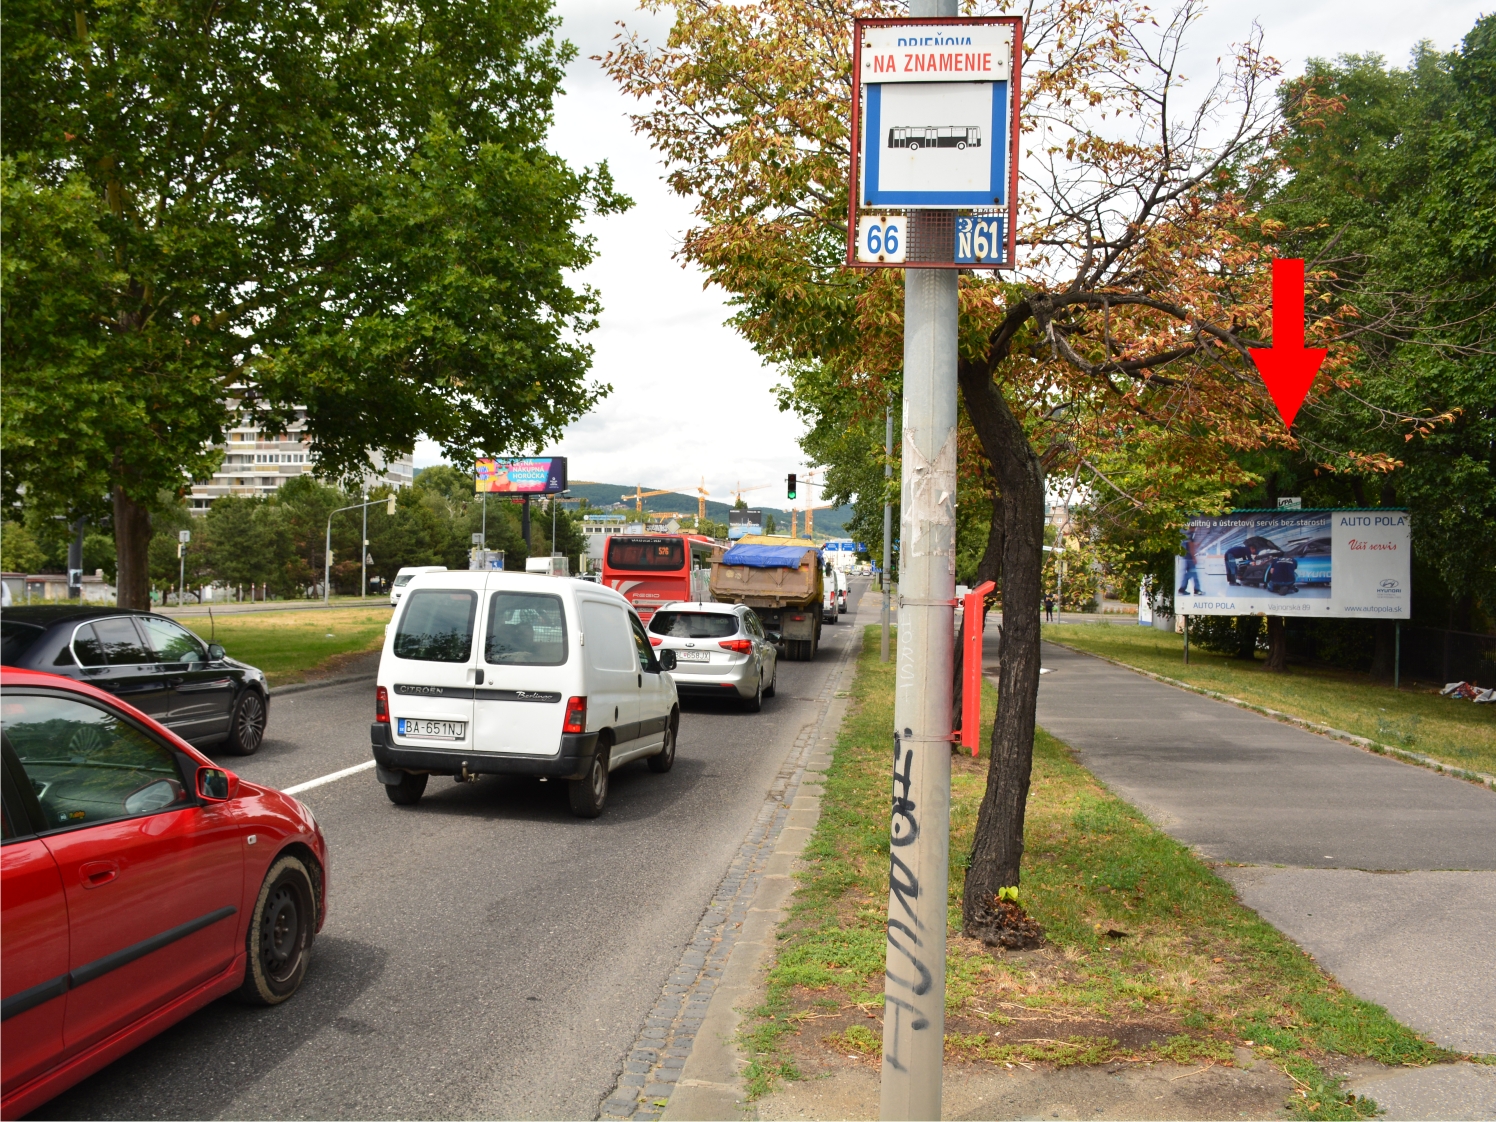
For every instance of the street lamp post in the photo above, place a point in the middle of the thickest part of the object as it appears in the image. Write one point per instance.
(327, 550)
(887, 524)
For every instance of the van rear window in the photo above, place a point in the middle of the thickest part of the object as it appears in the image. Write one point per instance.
(525, 629)
(646, 555)
(437, 625)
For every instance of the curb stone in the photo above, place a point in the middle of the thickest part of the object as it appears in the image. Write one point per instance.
(298, 687)
(684, 1062)
(1479, 778)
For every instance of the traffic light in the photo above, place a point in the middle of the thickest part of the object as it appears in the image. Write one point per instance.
(389, 507)
(789, 487)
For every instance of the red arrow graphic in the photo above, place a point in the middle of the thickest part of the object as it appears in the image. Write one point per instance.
(1288, 368)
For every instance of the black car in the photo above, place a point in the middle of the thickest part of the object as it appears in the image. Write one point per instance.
(148, 661)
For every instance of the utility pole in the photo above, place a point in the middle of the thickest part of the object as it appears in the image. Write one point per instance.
(914, 983)
(363, 551)
(183, 537)
(75, 561)
(887, 524)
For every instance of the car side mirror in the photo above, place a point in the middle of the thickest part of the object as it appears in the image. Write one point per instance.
(216, 784)
(667, 660)
(216, 652)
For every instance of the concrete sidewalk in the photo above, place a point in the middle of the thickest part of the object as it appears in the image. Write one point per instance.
(1319, 825)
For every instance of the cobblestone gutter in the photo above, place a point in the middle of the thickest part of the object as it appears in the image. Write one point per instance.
(659, 1055)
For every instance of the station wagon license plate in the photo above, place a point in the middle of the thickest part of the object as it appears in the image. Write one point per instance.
(436, 730)
(693, 656)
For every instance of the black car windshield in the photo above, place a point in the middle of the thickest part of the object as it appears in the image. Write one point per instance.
(16, 639)
(694, 625)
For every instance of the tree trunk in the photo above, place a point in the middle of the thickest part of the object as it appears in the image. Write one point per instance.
(997, 849)
(1383, 653)
(990, 567)
(132, 551)
(1277, 645)
(1247, 630)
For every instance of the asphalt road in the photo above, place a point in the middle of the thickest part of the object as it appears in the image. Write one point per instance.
(486, 954)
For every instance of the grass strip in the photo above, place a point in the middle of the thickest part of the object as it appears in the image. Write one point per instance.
(286, 645)
(1188, 976)
(1457, 733)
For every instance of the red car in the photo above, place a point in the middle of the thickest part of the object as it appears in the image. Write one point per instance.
(139, 881)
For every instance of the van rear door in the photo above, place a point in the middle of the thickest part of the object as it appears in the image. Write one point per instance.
(435, 663)
(521, 705)
(612, 671)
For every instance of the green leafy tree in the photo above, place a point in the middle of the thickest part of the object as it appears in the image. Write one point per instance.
(19, 552)
(1393, 188)
(210, 210)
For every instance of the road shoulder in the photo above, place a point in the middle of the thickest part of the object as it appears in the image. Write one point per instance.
(685, 1062)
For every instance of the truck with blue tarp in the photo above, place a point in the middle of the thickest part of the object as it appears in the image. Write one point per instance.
(781, 580)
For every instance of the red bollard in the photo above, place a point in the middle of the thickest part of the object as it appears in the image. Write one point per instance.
(974, 607)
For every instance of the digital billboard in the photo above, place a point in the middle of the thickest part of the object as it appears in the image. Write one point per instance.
(1347, 564)
(537, 475)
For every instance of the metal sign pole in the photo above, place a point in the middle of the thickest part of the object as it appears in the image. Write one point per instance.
(887, 526)
(914, 986)
(914, 981)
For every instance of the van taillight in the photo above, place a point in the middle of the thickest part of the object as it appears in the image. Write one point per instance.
(382, 706)
(576, 715)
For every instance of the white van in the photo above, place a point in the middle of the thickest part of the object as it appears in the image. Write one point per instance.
(494, 673)
(404, 577)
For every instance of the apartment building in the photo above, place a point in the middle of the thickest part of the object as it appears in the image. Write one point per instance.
(257, 462)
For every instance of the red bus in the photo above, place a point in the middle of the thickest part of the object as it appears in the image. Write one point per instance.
(654, 569)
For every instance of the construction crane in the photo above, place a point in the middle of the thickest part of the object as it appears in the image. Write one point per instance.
(640, 495)
(739, 491)
(701, 496)
(810, 515)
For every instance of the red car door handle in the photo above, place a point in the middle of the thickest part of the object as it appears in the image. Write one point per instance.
(95, 873)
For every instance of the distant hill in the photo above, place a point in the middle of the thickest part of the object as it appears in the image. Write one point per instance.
(827, 522)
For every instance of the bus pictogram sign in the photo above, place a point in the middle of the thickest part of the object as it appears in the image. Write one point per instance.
(935, 131)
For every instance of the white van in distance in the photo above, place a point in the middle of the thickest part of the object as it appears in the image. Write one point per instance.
(404, 577)
(494, 673)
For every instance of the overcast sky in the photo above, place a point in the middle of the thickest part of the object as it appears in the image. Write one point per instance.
(690, 398)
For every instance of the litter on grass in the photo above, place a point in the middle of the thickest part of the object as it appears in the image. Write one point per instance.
(1469, 692)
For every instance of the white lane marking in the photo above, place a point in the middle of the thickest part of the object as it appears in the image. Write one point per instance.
(333, 778)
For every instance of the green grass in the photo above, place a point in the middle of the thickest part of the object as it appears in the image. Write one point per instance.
(285, 645)
(1417, 719)
(1196, 976)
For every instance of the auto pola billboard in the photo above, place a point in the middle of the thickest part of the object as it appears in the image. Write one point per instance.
(1347, 564)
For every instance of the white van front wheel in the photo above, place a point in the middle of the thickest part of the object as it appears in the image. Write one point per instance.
(590, 793)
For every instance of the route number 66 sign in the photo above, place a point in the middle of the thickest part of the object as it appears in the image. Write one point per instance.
(881, 238)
